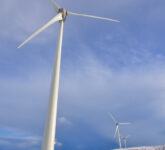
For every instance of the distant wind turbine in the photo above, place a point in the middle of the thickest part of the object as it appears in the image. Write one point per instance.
(117, 128)
(50, 127)
(124, 138)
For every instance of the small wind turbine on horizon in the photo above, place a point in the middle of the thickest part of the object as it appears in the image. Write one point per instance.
(124, 138)
(50, 127)
(117, 124)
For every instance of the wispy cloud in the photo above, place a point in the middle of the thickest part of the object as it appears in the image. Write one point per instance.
(20, 142)
(92, 89)
(105, 68)
(58, 143)
(20, 19)
(63, 120)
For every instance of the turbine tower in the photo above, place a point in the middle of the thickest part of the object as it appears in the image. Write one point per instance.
(50, 127)
(124, 138)
(117, 124)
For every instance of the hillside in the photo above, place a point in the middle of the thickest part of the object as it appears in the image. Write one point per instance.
(145, 148)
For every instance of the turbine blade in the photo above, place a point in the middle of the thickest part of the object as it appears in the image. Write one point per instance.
(54, 5)
(53, 20)
(90, 16)
(112, 117)
(116, 131)
(124, 123)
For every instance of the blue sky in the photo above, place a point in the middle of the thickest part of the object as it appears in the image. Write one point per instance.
(106, 67)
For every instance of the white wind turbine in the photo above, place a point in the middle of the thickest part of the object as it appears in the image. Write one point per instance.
(50, 127)
(117, 128)
(124, 138)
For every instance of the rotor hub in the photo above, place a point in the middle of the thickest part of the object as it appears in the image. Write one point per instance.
(64, 13)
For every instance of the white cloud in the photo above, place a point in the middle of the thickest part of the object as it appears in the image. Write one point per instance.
(63, 120)
(22, 18)
(89, 87)
(88, 92)
(19, 142)
(4, 142)
(58, 143)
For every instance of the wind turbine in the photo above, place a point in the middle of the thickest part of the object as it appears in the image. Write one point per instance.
(124, 138)
(117, 128)
(50, 127)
